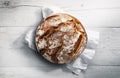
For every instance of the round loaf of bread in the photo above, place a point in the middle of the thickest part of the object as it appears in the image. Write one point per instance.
(60, 38)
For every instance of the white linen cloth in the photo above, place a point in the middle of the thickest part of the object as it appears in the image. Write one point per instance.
(81, 62)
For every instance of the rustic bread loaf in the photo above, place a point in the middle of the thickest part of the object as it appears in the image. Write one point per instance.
(60, 38)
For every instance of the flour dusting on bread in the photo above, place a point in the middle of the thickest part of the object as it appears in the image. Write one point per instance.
(60, 38)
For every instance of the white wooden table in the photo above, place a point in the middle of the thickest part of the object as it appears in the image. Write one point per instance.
(18, 16)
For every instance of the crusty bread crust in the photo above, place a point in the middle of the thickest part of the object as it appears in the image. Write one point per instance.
(60, 38)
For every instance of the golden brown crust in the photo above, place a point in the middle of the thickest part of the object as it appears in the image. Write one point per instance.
(61, 38)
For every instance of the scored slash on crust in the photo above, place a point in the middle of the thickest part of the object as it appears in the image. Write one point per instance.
(60, 38)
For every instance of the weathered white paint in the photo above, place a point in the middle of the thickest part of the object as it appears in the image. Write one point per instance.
(18, 16)
(93, 13)
(68, 4)
(56, 72)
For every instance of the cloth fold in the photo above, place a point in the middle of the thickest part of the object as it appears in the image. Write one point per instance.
(81, 63)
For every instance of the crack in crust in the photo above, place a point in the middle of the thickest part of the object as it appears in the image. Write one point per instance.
(60, 38)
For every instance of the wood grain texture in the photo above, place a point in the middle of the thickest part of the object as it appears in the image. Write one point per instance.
(18, 16)
(38, 72)
(97, 13)
(77, 5)
(14, 46)
(31, 72)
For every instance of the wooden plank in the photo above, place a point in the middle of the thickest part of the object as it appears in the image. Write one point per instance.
(76, 5)
(12, 35)
(34, 72)
(98, 18)
(108, 52)
(22, 57)
(30, 16)
(103, 72)
(12, 44)
(20, 16)
(52, 72)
